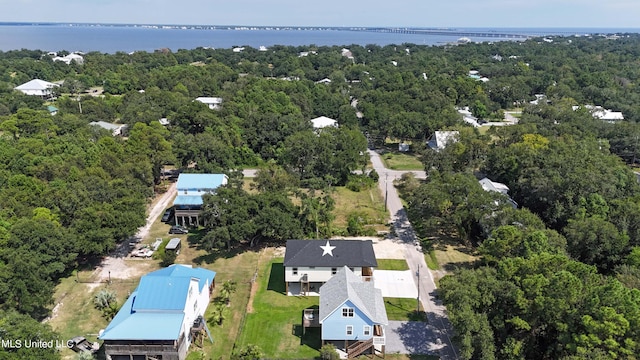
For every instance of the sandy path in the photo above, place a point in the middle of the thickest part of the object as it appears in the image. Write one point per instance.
(114, 266)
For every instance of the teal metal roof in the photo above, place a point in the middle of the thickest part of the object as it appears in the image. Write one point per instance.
(146, 326)
(200, 182)
(162, 293)
(188, 200)
(155, 310)
(204, 276)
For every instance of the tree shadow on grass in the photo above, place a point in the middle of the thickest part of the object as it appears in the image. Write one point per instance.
(276, 278)
(214, 255)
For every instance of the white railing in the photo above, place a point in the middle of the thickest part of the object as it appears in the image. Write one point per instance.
(378, 340)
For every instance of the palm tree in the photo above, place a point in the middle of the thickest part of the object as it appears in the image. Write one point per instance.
(228, 287)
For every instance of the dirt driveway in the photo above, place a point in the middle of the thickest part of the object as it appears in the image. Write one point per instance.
(115, 266)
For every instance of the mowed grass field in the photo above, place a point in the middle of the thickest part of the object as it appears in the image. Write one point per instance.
(401, 161)
(273, 320)
(369, 201)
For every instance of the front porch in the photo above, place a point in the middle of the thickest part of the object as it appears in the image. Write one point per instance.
(303, 288)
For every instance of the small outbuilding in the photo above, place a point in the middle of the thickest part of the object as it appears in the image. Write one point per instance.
(173, 245)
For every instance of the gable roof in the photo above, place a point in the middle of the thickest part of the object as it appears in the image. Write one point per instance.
(162, 293)
(489, 185)
(204, 276)
(346, 286)
(198, 182)
(209, 100)
(344, 253)
(191, 187)
(441, 139)
(155, 310)
(36, 84)
(323, 121)
(129, 325)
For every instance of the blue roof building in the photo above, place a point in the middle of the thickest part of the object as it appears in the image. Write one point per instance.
(157, 320)
(191, 188)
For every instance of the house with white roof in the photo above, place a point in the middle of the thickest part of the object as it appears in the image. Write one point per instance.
(69, 58)
(440, 139)
(323, 122)
(213, 103)
(162, 316)
(601, 113)
(116, 129)
(191, 188)
(488, 185)
(37, 87)
(310, 263)
(352, 314)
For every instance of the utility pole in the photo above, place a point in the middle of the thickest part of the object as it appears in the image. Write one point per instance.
(386, 190)
(418, 306)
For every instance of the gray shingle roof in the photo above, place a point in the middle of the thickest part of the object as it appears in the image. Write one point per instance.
(345, 285)
(346, 253)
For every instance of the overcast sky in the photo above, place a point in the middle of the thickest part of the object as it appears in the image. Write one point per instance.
(415, 13)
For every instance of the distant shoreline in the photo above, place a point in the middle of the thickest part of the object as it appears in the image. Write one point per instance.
(541, 30)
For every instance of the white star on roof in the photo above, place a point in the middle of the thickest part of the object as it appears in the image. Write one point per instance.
(327, 249)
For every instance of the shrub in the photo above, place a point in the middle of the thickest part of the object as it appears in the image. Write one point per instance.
(359, 182)
(355, 223)
(249, 352)
(373, 175)
(328, 352)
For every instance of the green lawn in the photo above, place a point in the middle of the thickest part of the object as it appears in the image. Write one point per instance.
(402, 309)
(392, 264)
(401, 161)
(369, 202)
(273, 321)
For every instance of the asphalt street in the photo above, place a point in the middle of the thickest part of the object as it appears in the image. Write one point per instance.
(439, 332)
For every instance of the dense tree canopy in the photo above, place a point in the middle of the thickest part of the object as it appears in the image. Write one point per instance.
(555, 276)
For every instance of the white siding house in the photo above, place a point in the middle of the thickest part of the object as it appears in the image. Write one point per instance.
(310, 263)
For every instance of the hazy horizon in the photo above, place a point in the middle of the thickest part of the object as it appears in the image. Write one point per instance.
(617, 14)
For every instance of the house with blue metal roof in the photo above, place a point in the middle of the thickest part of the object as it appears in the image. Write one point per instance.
(191, 188)
(163, 315)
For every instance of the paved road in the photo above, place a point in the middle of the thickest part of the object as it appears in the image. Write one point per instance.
(438, 328)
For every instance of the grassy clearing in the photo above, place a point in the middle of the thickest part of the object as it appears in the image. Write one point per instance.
(401, 161)
(369, 202)
(392, 264)
(410, 357)
(75, 314)
(450, 256)
(402, 309)
(234, 267)
(431, 260)
(273, 321)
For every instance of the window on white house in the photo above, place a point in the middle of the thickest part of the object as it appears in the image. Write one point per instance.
(294, 271)
(349, 329)
(366, 330)
(195, 306)
(334, 271)
(347, 312)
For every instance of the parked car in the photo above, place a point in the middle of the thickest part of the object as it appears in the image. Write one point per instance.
(167, 215)
(177, 229)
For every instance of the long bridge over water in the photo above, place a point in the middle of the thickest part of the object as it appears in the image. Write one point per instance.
(480, 33)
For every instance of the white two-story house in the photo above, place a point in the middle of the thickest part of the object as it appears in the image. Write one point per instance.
(310, 263)
(162, 316)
